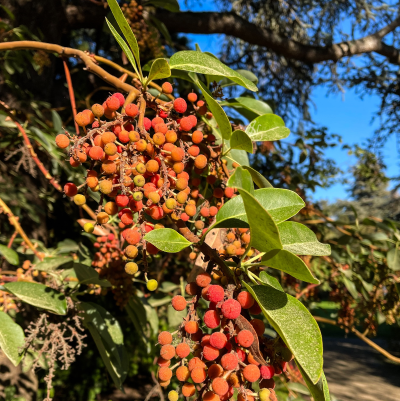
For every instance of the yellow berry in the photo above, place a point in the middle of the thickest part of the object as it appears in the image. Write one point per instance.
(131, 268)
(88, 227)
(152, 285)
(79, 200)
(173, 395)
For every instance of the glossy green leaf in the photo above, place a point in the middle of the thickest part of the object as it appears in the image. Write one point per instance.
(258, 178)
(246, 73)
(393, 259)
(9, 255)
(203, 63)
(39, 295)
(240, 140)
(108, 336)
(88, 275)
(52, 263)
(175, 317)
(256, 106)
(289, 263)
(167, 240)
(218, 112)
(126, 30)
(320, 390)
(237, 156)
(280, 203)
(271, 281)
(170, 5)
(12, 338)
(268, 127)
(296, 326)
(159, 70)
(137, 314)
(67, 246)
(263, 230)
(123, 46)
(300, 240)
(241, 179)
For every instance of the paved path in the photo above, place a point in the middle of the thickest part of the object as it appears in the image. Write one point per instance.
(356, 372)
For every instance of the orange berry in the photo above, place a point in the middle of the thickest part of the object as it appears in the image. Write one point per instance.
(96, 153)
(197, 136)
(159, 138)
(152, 166)
(181, 184)
(188, 389)
(62, 141)
(191, 288)
(167, 88)
(102, 218)
(106, 187)
(108, 137)
(141, 145)
(200, 162)
(171, 136)
(167, 351)
(109, 167)
(251, 373)
(178, 168)
(82, 119)
(190, 210)
(134, 136)
(113, 103)
(131, 110)
(180, 105)
(177, 154)
(215, 370)
(191, 327)
(98, 110)
(182, 350)
(194, 150)
(110, 149)
(192, 97)
(219, 386)
(182, 197)
(198, 375)
(164, 338)
(178, 302)
(182, 373)
(164, 373)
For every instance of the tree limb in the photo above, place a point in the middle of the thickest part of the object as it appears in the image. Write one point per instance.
(231, 24)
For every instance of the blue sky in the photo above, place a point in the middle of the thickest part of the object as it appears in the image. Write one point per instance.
(344, 114)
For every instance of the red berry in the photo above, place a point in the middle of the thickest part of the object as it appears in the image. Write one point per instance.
(245, 299)
(131, 110)
(121, 200)
(218, 340)
(203, 279)
(180, 105)
(186, 124)
(251, 373)
(211, 319)
(113, 103)
(267, 372)
(70, 189)
(213, 211)
(229, 361)
(210, 353)
(231, 309)
(120, 97)
(220, 386)
(258, 325)
(215, 293)
(245, 338)
(255, 309)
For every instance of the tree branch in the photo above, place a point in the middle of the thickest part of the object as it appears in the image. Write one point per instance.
(229, 23)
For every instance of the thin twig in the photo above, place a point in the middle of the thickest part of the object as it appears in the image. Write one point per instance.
(14, 221)
(362, 337)
(71, 93)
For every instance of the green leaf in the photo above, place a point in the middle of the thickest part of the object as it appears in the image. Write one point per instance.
(296, 326)
(256, 106)
(300, 240)
(167, 240)
(12, 338)
(137, 314)
(319, 391)
(67, 246)
(126, 30)
(264, 234)
(268, 127)
(351, 287)
(298, 387)
(271, 281)
(280, 203)
(87, 275)
(258, 178)
(393, 259)
(290, 264)
(247, 74)
(162, 29)
(203, 63)
(108, 336)
(175, 317)
(57, 122)
(241, 179)
(39, 295)
(217, 111)
(9, 255)
(123, 46)
(240, 140)
(170, 5)
(236, 156)
(159, 70)
(52, 263)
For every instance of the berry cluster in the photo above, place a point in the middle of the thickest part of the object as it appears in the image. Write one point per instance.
(224, 350)
(164, 167)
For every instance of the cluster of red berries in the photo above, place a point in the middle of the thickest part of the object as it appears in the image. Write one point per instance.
(224, 350)
(165, 166)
